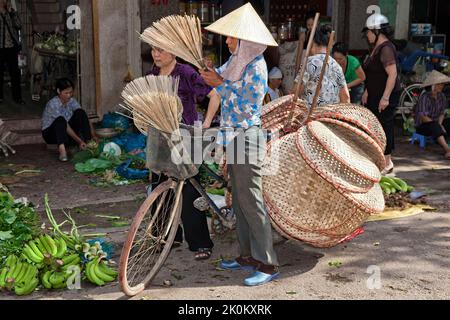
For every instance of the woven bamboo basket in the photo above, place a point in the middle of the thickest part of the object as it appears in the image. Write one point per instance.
(355, 115)
(325, 188)
(275, 114)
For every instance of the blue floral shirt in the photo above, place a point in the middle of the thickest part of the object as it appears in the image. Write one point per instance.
(56, 109)
(242, 100)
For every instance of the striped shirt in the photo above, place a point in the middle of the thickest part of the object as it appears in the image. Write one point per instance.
(430, 107)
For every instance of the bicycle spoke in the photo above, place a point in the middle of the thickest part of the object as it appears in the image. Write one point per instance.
(150, 238)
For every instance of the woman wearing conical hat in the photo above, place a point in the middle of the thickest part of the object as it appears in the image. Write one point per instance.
(430, 111)
(242, 85)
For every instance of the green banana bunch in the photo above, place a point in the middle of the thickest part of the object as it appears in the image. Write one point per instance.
(21, 276)
(394, 185)
(99, 273)
(72, 260)
(28, 283)
(62, 248)
(3, 274)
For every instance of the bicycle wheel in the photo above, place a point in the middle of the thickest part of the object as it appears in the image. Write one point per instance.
(150, 237)
(409, 99)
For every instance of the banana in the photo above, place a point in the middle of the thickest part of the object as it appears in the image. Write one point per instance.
(68, 260)
(402, 184)
(23, 273)
(410, 189)
(11, 261)
(36, 250)
(392, 183)
(74, 262)
(62, 285)
(33, 272)
(51, 243)
(29, 253)
(92, 277)
(100, 274)
(11, 271)
(57, 278)
(17, 270)
(28, 288)
(3, 276)
(106, 269)
(62, 248)
(40, 246)
(45, 280)
(45, 245)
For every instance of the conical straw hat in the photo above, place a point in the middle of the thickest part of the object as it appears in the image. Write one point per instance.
(244, 24)
(435, 77)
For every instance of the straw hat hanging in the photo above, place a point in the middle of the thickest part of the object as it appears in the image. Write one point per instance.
(244, 23)
(435, 77)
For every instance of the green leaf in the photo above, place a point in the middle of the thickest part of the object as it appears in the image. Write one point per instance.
(10, 217)
(6, 235)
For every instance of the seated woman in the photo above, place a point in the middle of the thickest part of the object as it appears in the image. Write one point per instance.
(354, 73)
(430, 111)
(64, 123)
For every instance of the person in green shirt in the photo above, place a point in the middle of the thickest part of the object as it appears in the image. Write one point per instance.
(354, 73)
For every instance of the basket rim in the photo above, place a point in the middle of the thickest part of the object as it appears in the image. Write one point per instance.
(338, 157)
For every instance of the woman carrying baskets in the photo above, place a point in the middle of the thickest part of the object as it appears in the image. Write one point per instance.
(191, 88)
(242, 85)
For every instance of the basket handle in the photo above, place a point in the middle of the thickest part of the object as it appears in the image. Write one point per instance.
(322, 74)
(303, 69)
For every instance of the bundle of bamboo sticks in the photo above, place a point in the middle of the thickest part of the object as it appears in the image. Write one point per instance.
(153, 101)
(179, 35)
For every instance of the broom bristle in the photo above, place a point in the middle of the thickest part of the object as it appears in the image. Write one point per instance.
(179, 35)
(153, 101)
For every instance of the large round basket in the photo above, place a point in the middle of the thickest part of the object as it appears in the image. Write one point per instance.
(323, 183)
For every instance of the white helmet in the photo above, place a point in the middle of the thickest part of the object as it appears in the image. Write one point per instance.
(376, 22)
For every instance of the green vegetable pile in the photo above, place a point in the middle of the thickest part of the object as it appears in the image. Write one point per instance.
(19, 223)
(57, 42)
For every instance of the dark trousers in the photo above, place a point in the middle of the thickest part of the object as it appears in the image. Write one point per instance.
(433, 129)
(9, 57)
(195, 222)
(386, 118)
(57, 132)
(356, 94)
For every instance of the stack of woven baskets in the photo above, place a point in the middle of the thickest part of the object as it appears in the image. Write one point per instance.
(323, 178)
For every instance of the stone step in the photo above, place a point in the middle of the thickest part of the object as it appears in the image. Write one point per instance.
(28, 124)
(27, 137)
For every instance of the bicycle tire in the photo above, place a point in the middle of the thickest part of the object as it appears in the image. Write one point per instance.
(148, 245)
(408, 101)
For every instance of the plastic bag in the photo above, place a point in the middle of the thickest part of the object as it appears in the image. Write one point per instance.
(420, 69)
(125, 171)
(115, 121)
(93, 165)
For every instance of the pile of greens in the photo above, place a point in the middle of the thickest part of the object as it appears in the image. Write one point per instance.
(19, 223)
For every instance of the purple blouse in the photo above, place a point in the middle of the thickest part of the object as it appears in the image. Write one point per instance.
(430, 107)
(192, 89)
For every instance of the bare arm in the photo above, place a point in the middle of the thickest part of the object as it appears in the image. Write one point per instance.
(391, 70)
(213, 107)
(75, 137)
(361, 78)
(344, 95)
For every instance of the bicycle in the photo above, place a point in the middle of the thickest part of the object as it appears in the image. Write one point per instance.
(154, 227)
